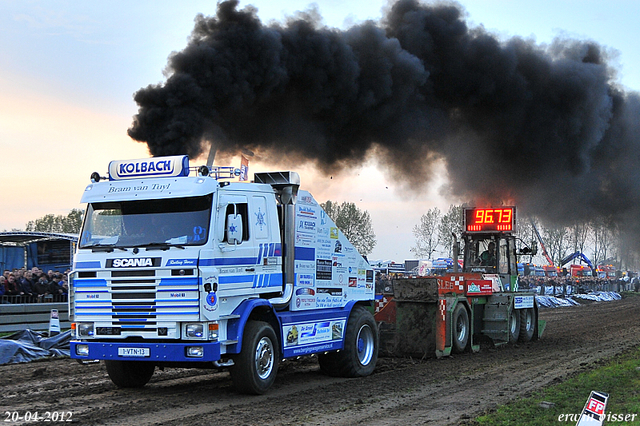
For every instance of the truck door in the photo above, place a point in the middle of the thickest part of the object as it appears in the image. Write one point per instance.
(265, 234)
(233, 259)
(245, 259)
(507, 263)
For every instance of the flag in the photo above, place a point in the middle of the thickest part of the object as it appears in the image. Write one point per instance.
(244, 169)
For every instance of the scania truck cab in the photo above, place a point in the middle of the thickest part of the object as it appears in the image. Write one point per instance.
(182, 269)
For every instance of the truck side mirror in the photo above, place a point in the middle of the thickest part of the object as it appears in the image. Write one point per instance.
(534, 248)
(220, 231)
(234, 229)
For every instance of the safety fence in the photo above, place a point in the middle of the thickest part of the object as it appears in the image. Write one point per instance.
(34, 316)
(48, 298)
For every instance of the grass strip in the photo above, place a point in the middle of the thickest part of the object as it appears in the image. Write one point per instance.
(619, 377)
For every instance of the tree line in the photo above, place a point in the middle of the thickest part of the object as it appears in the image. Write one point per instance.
(63, 224)
(597, 239)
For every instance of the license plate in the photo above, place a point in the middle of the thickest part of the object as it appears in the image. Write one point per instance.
(142, 352)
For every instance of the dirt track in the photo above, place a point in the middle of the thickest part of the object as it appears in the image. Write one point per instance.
(400, 392)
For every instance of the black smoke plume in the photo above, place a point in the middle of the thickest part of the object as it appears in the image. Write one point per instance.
(543, 125)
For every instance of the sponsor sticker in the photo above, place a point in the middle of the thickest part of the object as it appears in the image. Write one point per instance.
(171, 166)
(311, 333)
(479, 287)
(211, 302)
(305, 279)
(523, 302)
(323, 269)
(182, 262)
(333, 233)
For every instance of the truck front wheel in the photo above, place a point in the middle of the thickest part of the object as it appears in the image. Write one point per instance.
(360, 353)
(257, 364)
(130, 374)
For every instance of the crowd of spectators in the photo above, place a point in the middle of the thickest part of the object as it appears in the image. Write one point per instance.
(33, 286)
(581, 284)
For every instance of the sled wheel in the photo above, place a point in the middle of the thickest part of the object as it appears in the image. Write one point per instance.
(360, 353)
(514, 325)
(257, 364)
(130, 374)
(527, 324)
(460, 328)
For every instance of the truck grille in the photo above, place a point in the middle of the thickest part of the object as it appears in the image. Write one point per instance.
(143, 300)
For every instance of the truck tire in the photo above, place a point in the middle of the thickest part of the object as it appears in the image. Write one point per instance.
(360, 353)
(514, 325)
(461, 328)
(130, 374)
(527, 324)
(257, 364)
(329, 364)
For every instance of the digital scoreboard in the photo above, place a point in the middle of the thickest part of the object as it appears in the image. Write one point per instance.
(501, 219)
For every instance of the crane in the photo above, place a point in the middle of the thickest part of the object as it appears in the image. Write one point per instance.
(544, 249)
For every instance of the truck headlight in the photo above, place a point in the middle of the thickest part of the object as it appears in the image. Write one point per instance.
(195, 351)
(82, 350)
(84, 329)
(213, 331)
(194, 331)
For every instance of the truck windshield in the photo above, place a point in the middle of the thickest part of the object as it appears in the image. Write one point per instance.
(141, 223)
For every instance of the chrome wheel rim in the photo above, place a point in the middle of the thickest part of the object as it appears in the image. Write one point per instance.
(365, 344)
(264, 358)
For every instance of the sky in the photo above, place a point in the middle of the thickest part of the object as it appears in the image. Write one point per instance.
(69, 70)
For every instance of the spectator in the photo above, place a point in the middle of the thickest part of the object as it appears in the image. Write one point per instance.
(54, 287)
(3, 290)
(13, 286)
(26, 280)
(42, 287)
(378, 282)
(37, 273)
(63, 283)
(26, 283)
(65, 289)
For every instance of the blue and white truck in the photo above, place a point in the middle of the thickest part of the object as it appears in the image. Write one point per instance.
(178, 267)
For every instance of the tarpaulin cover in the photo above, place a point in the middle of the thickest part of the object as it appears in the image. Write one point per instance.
(28, 345)
(597, 296)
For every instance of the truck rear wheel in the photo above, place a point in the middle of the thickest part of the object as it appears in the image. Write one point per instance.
(328, 364)
(460, 328)
(130, 374)
(257, 364)
(514, 325)
(527, 324)
(360, 353)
